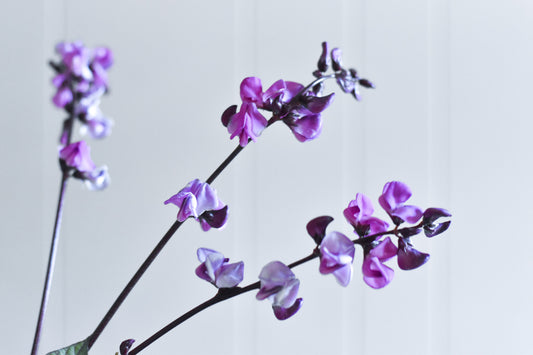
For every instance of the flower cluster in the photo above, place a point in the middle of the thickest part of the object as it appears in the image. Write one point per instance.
(337, 251)
(298, 106)
(81, 80)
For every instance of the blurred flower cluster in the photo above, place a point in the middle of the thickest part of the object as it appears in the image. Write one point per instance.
(81, 80)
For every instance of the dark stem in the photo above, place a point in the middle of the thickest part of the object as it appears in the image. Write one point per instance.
(51, 263)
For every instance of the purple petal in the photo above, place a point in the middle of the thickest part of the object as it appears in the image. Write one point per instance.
(188, 207)
(58, 80)
(410, 258)
(284, 313)
(410, 214)
(125, 346)
(343, 275)
(324, 60)
(317, 227)
(228, 114)
(317, 104)
(77, 155)
(336, 251)
(394, 193)
(230, 275)
(63, 97)
(432, 214)
(99, 127)
(307, 128)
(384, 250)
(104, 57)
(376, 274)
(336, 55)
(248, 123)
(214, 218)
(98, 179)
(434, 230)
(251, 90)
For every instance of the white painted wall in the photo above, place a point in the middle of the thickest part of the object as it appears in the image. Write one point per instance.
(451, 117)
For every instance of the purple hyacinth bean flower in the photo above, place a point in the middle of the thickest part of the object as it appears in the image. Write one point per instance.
(375, 273)
(306, 128)
(248, 123)
(199, 200)
(394, 195)
(359, 215)
(103, 56)
(280, 286)
(63, 97)
(78, 156)
(216, 269)
(281, 90)
(317, 228)
(336, 256)
(430, 216)
(408, 257)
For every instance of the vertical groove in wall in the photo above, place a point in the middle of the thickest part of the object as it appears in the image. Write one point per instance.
(439, 170)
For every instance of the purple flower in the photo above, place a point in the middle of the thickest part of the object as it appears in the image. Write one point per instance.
(280, 286)
(394, 195)
(430, 216)
(302, 116)
(336, 256)
(78, 156)
(375, 273)
(408, 257)
(248, 123)
(359, 215)
(216, 269)
(200, 201)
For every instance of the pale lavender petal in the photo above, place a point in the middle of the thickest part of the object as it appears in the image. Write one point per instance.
(58, 80)
(188, 207)
(98, 128)
(103, 56)
(287, 295)
(336, 251)
(230, 275)
(98, 179)
(343, 275)
(336, 55)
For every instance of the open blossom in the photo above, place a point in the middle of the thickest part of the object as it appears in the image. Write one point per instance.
(375, 273)
(359, 214)
(280, 286)
(78, 156)
(248, 123)
(199, 200)
(393, 199)
(336, 256)
(216, 269)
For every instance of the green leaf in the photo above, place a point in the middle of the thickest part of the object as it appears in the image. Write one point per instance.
(80, 348)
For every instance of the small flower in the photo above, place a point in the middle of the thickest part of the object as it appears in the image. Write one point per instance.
(394, 195)
(216, 270)
(248, 123)
(78, 156)
(336, 256)
(359, 215)
(375, 273)
(430, 216)
(280, 286)
(199, 200)
(408, 257)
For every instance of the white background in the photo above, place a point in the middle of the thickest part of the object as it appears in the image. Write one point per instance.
(451, 117)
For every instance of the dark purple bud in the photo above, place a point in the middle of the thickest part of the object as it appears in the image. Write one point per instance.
(409, 232)
(125, 346)
(228, 114)
(317, 227)
(432, 214)
(408, 257)
(353, 73)
(434, 230)
(336, 59)
(317, 104)
(323, 61)
(317, 74)
(215, 218)
(366, 83)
